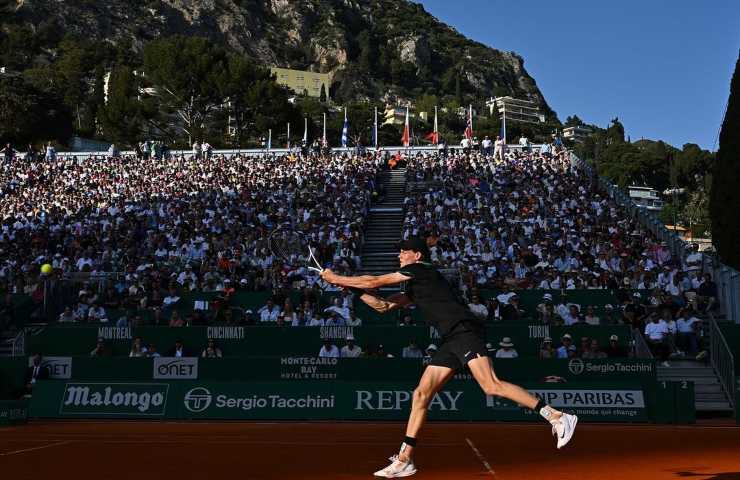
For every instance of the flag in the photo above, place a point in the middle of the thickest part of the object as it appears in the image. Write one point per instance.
(503, 125)
(269, 139)
(434, 136)
(305, 131)
(469, 124)
(405, 138)
(288, 137)
(345, 130)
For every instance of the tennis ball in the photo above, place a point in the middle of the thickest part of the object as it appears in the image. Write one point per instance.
(46, 269)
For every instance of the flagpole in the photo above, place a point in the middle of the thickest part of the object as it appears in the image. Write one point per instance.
(436, 134)
(470, 109)
(323, 139)
(269, 139)
(375, 129)
(504, 125)
(288, 136)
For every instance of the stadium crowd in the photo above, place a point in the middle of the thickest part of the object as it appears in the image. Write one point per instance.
(171, 224)
(519, 219)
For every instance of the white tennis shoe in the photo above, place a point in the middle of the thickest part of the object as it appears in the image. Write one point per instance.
(397, 469)
(564, 428)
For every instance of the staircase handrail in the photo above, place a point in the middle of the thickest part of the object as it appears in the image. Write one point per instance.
(642, 350)
(722, 359)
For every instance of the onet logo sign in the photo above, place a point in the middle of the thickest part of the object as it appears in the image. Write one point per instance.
(172, 368)
(198, 399)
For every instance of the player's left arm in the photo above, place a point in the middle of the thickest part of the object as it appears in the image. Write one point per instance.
(364, 282)
(384, 305)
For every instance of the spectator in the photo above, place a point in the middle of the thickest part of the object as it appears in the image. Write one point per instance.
(412, 351)
(546, 349)
(138, 349)
(507, 349)
(479, 309)
(212, 350)
(179, 350)
(572, 317)
(353, 321)
(594, 351)
(656, 332)
(36, 372)
(350, 350)
(152, 351)
(407, 320)
(67, 316)
(328, 349)
(566, 347)
(615, 350)
(270, 312)
(590, 317)
(176, 320)
(97, 313)
(100, 349)
(687, 327)
(338, 308)
(512, 311)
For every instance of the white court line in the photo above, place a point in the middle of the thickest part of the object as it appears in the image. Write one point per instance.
(35, 448)
(481, 458)
(199, 441)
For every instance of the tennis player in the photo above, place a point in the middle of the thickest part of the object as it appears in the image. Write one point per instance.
(464, 343)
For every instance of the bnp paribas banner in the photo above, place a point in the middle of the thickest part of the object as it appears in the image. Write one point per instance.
(316, 400)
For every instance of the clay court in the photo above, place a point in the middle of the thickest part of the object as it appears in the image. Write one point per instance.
(254, 451)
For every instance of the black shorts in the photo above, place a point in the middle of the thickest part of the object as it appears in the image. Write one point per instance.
(459, 348)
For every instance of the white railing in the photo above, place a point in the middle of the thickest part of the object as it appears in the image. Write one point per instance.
(255, 152)
(19, 344)
(722, 360)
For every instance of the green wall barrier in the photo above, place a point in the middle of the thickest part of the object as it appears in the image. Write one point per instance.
(12, 373)
(270, 340)
(291, 369)
(460, 401)
(13, 412)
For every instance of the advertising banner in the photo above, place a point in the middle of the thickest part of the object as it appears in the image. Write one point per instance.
(175, 368)
(100, 400)
(319, 400)
(59, 367)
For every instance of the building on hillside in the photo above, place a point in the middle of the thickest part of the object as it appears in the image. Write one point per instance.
(576, 134)
(303, 82)
(516, 109)
(397, 115)
(646, 197)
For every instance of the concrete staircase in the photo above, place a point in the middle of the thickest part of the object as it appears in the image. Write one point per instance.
(383, 226)
(708, 390)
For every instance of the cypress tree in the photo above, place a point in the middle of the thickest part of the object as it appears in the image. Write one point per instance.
(725, 197)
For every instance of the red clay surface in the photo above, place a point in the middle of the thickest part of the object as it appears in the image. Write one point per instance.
(256, 451)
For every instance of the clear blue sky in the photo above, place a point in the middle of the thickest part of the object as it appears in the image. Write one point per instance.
(662, 66)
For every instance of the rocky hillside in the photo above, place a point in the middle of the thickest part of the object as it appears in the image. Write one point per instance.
(379, 49)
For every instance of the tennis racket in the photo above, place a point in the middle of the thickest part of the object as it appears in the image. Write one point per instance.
(294, 249)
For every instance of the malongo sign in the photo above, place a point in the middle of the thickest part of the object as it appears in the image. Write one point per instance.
(114, 399)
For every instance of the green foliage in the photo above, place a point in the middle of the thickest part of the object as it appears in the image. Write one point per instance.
(725, 195)
(121, 118)
(28, 114)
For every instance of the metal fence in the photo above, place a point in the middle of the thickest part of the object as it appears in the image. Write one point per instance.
(726, 278)
(723, 361)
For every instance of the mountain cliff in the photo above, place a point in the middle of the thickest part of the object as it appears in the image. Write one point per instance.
(375, 49)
